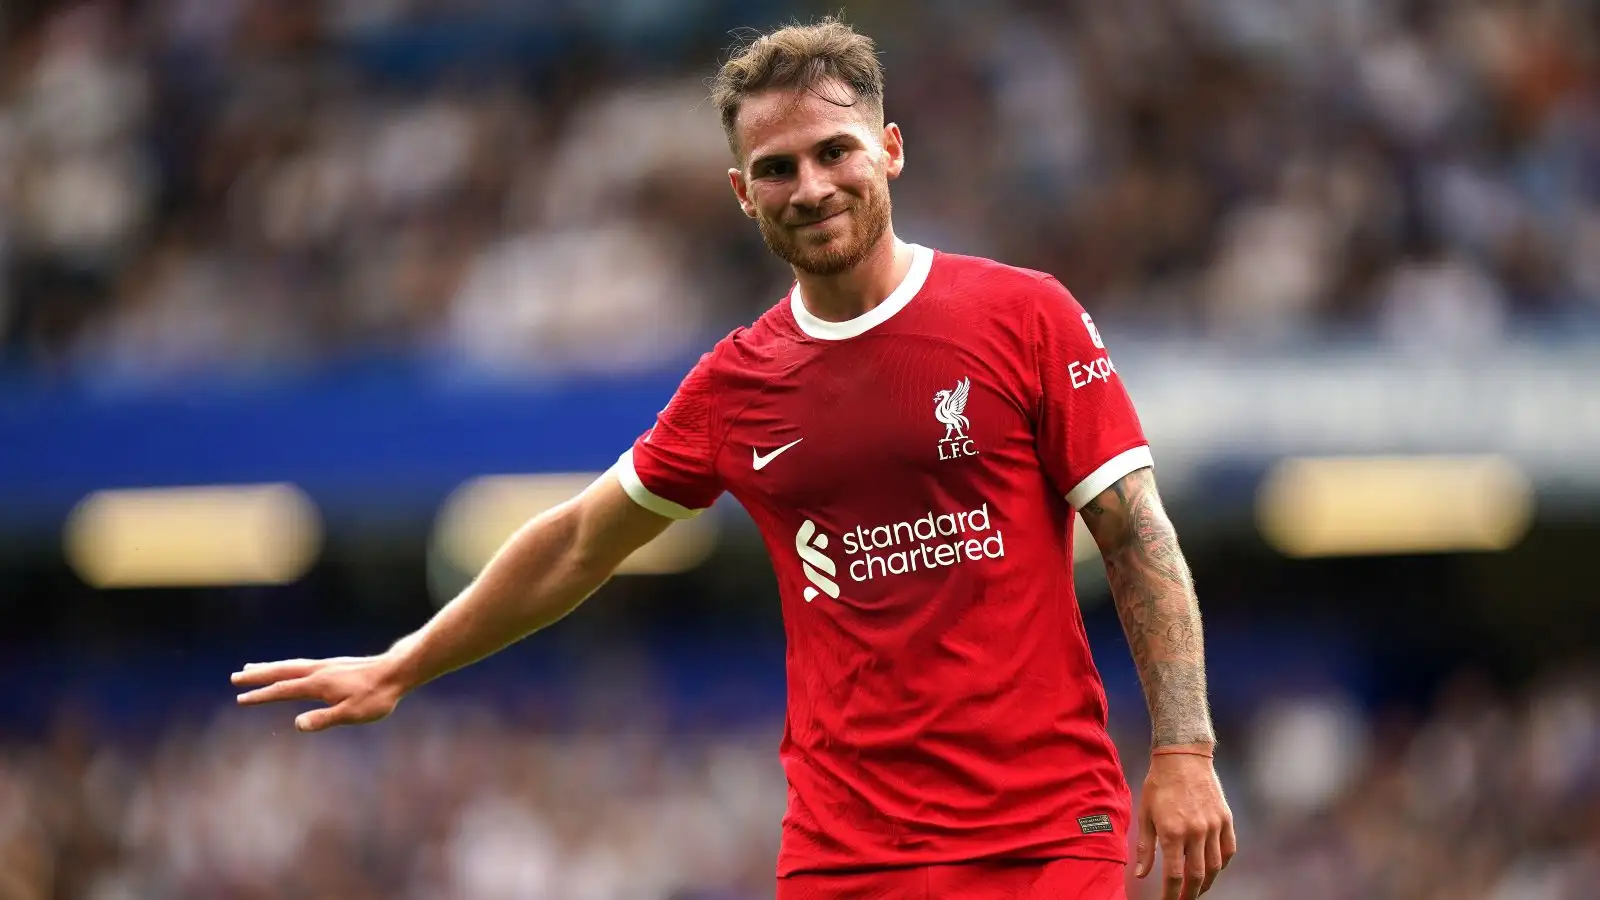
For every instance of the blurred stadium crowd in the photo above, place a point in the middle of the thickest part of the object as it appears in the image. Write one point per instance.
(1486, 798)
(260, 188)
(257, 186)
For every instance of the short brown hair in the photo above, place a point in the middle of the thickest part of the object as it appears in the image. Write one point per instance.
(800, 57)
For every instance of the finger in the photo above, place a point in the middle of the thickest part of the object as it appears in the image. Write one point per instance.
(1230, 843)
(1172, 868)
(1214, 863)
(1194, 866)
(1145, 850)
(323, 719)
(294, 689)
(255, 674)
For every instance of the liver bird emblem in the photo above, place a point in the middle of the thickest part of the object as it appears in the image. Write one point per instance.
(950, 407)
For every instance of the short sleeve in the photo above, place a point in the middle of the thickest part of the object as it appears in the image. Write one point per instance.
(1089, 434)
(670, 469)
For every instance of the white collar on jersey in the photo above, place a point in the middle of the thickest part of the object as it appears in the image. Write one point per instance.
(822, 329)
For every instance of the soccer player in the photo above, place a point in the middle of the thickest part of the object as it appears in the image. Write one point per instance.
(913, 432)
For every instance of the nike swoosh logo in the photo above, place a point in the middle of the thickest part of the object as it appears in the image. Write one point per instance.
(760, 462)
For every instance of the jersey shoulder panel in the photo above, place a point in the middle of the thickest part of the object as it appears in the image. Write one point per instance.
(991, 288)
(710, 384)
(769, 344)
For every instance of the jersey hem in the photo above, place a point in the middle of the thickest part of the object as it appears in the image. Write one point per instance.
(1109, 473)
(635, 489)
(1066, 850)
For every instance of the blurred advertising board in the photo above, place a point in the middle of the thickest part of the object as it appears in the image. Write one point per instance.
(397, 443)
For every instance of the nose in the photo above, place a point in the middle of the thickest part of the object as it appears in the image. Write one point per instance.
(813, 187)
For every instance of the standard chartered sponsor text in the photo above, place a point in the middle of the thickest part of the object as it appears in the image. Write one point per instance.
(933, 541)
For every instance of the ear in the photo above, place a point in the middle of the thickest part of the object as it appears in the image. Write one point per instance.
(894, 151)
(741, 191)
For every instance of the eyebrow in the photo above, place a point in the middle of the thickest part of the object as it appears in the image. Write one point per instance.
(839, 137)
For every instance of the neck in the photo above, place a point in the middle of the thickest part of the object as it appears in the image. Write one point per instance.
(847, 295)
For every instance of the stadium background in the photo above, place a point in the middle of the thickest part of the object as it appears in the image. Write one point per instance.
(346, 288)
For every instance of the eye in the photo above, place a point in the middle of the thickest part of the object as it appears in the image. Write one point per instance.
(834, 153)
(774, 170)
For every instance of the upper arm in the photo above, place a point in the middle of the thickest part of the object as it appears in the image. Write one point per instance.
(1126, 514)
(609, 525)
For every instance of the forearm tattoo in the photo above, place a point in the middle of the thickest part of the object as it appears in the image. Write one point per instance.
(1154, 595)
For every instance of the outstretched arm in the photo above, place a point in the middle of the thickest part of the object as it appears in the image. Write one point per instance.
(542, 573)
(1154, 596)
(1181, 807)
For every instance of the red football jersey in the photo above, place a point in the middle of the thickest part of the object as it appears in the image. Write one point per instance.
(914, 474)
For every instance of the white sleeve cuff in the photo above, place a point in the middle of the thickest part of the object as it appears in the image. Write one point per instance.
(641, 495)
(1108, 474)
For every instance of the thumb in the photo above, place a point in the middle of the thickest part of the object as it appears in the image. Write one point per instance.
(1145, 850)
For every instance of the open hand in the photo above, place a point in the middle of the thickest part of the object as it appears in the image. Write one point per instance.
(1183, 811)
(356, 689)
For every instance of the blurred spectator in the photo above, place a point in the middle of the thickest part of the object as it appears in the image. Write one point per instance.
(1440, 300)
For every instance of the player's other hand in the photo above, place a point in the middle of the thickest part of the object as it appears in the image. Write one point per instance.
(356, 689)
(1182, 810)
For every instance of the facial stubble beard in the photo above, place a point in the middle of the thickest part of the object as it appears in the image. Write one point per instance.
(870, 218)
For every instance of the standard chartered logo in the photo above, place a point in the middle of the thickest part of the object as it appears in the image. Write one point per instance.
(934, 541)
(810, 545)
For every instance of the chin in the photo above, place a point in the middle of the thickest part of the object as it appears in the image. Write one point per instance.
(828, 262)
